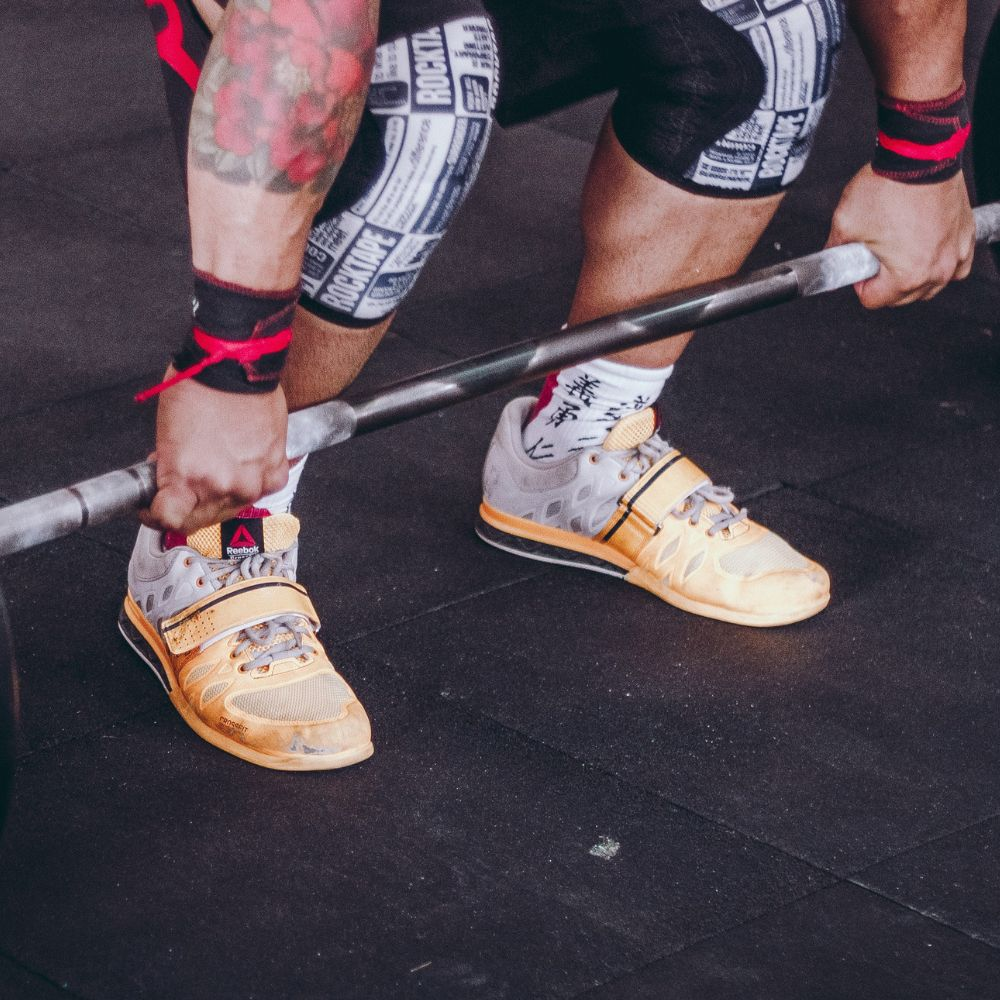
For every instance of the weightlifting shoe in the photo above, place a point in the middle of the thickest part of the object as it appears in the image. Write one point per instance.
(223, 624)
(635, 508)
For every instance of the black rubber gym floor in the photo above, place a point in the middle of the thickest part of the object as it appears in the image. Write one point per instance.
(577, 791)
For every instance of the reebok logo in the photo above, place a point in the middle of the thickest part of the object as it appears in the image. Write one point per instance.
(242, 537)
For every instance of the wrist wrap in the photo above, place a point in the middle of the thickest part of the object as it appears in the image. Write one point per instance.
(921, 142)
(239, 339)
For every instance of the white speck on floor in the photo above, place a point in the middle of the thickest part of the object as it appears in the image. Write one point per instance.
(606, 849)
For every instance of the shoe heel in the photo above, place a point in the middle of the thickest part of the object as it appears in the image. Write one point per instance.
(531, 548)
(141, 647)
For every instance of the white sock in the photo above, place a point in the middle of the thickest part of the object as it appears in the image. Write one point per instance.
(578, 406)
(281, 501)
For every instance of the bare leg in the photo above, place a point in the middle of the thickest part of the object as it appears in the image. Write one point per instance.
(325, 358)
(644, 238)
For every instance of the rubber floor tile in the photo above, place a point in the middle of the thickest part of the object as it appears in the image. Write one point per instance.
(842, 943)
(475, 321)
(803, 391)
(843, 739)
(387, 522)
(18, 984)
(76, 673)
(76, 438)
(948, 492)
(955, 879)
(462, 862)
(108, 301)
(85, 73)
(135, 181)
(582, 120)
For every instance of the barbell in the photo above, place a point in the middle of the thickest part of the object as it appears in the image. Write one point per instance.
(115, 494)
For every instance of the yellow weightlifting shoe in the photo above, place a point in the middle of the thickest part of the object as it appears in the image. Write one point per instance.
(232, 638)
(635, 508)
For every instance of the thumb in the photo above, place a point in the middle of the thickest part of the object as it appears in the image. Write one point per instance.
(171, 508)
(874, 293)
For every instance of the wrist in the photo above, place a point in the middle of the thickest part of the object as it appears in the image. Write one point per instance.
(921, 142)
(239, 340)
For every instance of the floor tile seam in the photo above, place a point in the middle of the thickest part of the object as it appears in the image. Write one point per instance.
(55, 743)
(444, 606)
(721, 932)
(929, 842)
(24, 967)
(887, 459)
(76, 397)
(926, 915)
(766, 490)
(504, 286)
(398, 329)
(130, 136)
(656, 794)
(929, 538)
(122, 220)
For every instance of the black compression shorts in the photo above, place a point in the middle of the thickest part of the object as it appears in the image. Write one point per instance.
(720, 97)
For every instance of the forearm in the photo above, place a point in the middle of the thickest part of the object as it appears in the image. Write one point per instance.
(277, 106)
(914, 47)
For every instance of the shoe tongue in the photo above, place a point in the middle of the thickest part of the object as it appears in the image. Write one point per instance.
(631, 431)
(246, 536)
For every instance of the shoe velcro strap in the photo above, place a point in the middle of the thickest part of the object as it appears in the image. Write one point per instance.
(238, 606)
(644, 507)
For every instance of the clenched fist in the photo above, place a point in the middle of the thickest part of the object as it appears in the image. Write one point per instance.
(924, 235)
(215, 453)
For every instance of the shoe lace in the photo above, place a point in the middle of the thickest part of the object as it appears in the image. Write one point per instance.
(280, 638)
(644, 456)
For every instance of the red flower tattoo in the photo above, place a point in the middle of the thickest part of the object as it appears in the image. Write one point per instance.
(292, 70)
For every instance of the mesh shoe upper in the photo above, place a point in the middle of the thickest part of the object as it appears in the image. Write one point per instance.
(637, 504)
(237, 637)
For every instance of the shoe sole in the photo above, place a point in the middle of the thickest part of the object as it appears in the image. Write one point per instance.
(138, 633)
(562, 548)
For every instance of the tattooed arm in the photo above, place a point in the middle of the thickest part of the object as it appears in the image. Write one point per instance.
(277, 107)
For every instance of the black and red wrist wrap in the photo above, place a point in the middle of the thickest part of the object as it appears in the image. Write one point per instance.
(921, 142)
(239, 340)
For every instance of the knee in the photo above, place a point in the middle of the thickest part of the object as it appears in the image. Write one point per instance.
(735, 117)
(429, 119)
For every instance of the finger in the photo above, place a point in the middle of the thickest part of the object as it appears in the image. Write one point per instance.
(172, 507)
(276, 479)
(878, 292)
(146, 518)
(930, 290)
(915, 295)
(213, 512)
